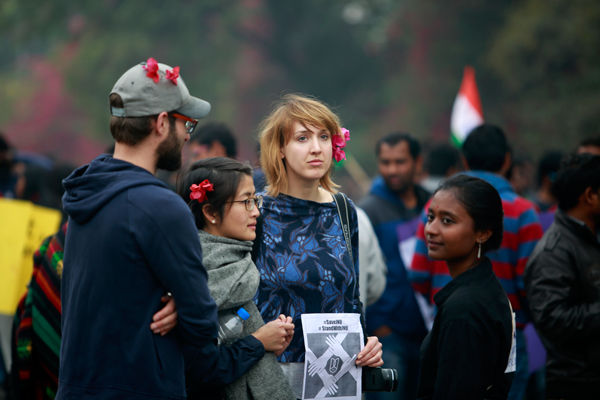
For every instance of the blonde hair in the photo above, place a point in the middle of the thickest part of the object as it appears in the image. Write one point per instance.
(276, 131)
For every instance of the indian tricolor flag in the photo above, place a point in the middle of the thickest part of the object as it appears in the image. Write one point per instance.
(466, 113)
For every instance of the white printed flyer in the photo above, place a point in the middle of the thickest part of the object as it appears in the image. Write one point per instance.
(332, 343)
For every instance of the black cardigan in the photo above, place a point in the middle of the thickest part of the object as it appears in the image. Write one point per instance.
(467, 349)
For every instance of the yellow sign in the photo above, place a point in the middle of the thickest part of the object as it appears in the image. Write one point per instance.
(23, 227)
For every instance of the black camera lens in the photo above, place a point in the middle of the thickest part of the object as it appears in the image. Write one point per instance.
(379, 379)
(390, 379)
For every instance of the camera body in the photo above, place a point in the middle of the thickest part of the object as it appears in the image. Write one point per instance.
(379, 379)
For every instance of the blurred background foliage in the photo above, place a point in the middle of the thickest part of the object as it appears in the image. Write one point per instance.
(384, 65)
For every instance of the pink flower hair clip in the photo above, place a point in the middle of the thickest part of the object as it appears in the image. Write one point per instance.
(152, 72)
(152, 68)
(172, 75)
(338, 142)
(198, 192)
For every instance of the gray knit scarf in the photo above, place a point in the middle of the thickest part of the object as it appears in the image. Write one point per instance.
(233, 281)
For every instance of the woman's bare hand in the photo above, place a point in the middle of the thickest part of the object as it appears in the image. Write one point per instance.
(370, 356)
(273, 334)
(288, 337)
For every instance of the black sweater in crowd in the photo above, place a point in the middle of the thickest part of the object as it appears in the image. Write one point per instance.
(468, 347)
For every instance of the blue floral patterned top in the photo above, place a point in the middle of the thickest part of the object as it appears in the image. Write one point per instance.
(304, 264)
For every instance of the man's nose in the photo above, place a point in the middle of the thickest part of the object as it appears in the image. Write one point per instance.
(395, 168)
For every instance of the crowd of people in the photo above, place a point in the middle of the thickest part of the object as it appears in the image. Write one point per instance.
(447, 260)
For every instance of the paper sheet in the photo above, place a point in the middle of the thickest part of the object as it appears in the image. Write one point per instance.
(406, 234)
(512, 358)
(23, 226)
(332, 342)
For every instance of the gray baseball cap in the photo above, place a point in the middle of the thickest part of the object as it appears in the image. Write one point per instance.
(143, 97)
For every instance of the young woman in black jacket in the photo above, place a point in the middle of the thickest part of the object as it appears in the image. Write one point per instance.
(465, 355)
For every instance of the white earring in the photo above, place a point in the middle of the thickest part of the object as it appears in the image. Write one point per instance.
(479, 252)
(214, 221)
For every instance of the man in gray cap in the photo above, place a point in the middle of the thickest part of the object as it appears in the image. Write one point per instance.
(131, 240)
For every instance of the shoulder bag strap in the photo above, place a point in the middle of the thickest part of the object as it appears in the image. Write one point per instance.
(342, 207)
(341, 203)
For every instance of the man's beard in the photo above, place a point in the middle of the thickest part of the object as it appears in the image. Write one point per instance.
(401, 188)
(168, 153)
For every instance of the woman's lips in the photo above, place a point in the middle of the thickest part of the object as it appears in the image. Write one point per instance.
(315, 162)
(432, 245)
(252, 226)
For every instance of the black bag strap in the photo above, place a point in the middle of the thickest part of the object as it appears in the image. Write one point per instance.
(341, 203)
(258, 239)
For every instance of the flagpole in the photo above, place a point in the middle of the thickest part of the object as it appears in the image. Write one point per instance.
(357, 173)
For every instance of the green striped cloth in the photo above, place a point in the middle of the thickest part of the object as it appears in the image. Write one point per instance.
(37, 333)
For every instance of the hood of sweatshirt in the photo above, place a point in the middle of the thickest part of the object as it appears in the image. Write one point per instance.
(380, 189)
(91, 187)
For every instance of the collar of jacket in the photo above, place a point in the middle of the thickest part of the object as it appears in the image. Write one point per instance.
(497, 181)
(380, 189)
(578, 227)
(481, 270)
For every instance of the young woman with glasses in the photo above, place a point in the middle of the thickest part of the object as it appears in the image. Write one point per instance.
(304, 263)
(220, 193)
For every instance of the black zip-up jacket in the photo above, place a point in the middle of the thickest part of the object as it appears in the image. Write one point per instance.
(562, 279)
(466, 353)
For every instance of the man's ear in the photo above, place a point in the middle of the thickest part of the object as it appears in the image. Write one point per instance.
(590, 196)
(465, 165)
(162, 126)
(418, 164)
(506, 164)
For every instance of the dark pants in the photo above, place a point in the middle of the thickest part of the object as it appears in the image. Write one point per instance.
(521, 377)
(404, 355)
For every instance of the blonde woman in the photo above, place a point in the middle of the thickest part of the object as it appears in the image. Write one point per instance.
(303, 260)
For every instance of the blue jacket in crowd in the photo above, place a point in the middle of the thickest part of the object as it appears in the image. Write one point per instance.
(397, 307)
(130, 240)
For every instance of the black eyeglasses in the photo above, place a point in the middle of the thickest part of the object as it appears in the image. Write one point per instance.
(258, 200)
(190, 123)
